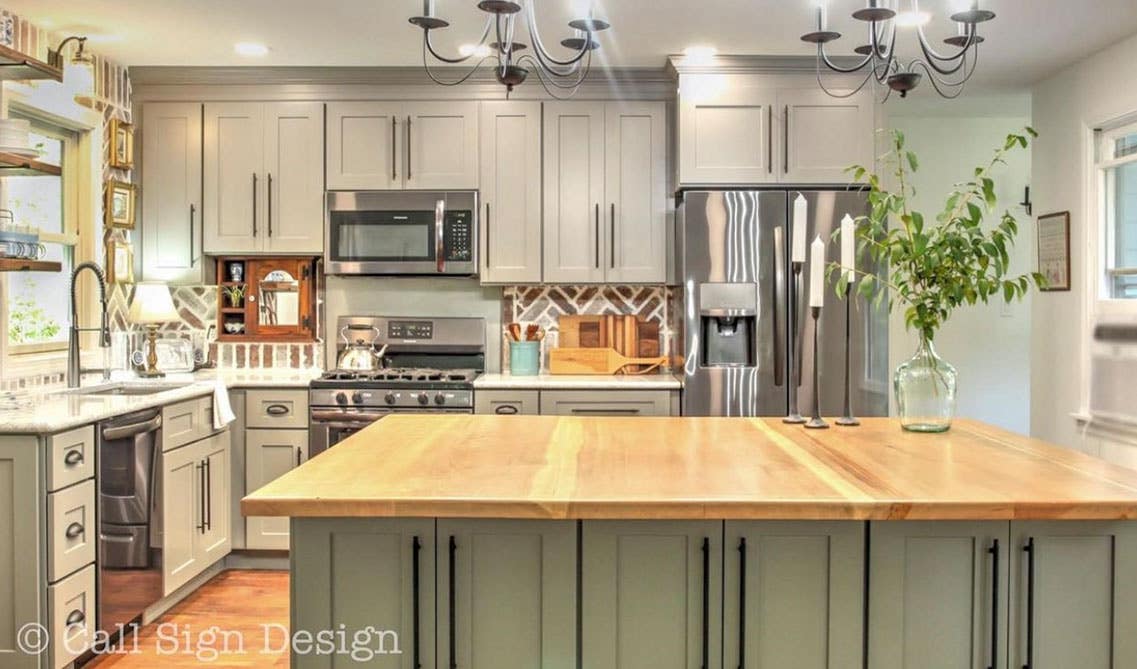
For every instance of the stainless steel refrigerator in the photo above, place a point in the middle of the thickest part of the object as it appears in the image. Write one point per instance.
(737, 281)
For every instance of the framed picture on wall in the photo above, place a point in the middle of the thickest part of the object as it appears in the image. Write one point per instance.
(1054, 250)
(122, 145)
(120, 261)
(119, 205)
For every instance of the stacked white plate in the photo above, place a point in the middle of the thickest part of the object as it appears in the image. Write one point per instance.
(14, 137)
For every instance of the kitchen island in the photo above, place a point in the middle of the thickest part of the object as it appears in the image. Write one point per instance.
(486, 541)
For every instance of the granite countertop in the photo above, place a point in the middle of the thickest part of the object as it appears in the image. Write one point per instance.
(54, 409)
(578, 382)
(570, 467)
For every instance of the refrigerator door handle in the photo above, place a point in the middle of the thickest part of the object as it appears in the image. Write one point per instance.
(779, 305)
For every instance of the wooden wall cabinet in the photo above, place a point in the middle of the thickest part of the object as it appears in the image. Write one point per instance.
(278, 303)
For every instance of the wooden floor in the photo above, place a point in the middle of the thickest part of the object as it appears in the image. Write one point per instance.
(234, 601)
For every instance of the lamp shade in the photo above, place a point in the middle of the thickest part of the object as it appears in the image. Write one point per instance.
(79, 75)
(152, 304)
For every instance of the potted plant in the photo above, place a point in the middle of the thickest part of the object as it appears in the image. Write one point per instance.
(234, 294)
(933, 268)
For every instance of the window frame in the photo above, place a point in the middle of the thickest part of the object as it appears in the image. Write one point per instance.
(1105, 166)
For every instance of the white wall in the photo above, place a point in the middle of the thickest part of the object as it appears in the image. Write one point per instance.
(988, 344)
(1066, 108)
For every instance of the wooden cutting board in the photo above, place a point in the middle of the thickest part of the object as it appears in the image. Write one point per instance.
(595, 361)
(579, 331)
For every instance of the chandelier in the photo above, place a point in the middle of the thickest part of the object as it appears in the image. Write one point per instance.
(513, 60)
(948, 72)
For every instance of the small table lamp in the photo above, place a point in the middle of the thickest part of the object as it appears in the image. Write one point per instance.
(152, 306)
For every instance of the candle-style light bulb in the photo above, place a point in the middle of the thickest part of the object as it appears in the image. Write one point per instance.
(801, 215)
(817, 273)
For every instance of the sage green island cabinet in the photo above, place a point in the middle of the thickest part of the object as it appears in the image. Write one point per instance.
(20, 572)
(1073, 592)
(651, 594)
(793, 594)
(938, 595)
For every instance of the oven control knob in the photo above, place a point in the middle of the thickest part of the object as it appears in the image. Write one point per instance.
(341, 398)
(389, 398)
(357, 397)
(423, 399)
(440, 399)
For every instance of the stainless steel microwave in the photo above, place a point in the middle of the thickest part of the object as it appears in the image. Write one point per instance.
(410, 233)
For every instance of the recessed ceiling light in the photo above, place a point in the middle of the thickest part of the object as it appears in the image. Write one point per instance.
(912, 19)
(479, 50)
(250, 49)
(699, 55)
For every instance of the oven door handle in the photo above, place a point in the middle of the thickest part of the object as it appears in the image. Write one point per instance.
(122, 432)
(439, 235)
(338, 418)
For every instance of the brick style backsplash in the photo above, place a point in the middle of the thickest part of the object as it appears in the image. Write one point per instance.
(543, 305)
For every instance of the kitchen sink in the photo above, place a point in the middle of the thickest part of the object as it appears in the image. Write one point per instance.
(127, 390)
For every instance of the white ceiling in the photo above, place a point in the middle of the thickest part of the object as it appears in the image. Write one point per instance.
(1029, 40)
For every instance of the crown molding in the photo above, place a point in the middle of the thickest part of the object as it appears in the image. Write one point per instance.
(733, 64)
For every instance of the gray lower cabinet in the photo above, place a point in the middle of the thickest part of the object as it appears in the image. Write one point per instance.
(366, 573)
(608, 403)
(507, 402)
(196, 500)
(1073, 591)
(938, 595)
(651, 594)
(20, 562)
(793, 595)
(507, 594)
(270, 454)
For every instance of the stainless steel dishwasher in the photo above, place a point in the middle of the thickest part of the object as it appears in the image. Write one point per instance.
(130, 541)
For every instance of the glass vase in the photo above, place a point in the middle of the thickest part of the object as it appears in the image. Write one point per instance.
(925, 391)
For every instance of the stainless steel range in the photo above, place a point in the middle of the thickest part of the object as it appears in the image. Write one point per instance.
(429, 367)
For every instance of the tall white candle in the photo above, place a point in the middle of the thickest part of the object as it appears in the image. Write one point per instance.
(848, 248)
(801, 214)
(817, 273)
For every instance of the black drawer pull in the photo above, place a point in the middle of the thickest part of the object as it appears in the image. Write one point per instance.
(1029, 550)
(73, 458)
(74, 530)
(76, 617)
(416, 548)
(277, 410)
(994, 551)
(506, 410)
(453, 636)
(706, 603)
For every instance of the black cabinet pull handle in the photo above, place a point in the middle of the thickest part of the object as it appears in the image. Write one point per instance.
(73, 458)
(416, 548)
(73, 530)
(506, 410)
(742, 603)
(612, 237)
(201, 506)
(254, 205)
(786, 158)
(597, 259)
(706, 602)
(298, 455)
(394, 159)
(453, 640)
(268, 199)
(192, 257)
(76, 617)
(769, 139)
(408, 147)
(1029, 550)
(277, 410)
(487, 228)
(994, 552)
(209, 495)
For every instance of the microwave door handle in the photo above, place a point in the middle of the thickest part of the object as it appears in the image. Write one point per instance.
(439, 246)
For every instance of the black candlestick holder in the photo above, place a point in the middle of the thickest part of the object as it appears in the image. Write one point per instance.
(848, 420)
(794, 416)
(816, 422)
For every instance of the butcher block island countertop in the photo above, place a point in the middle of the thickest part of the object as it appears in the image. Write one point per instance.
(547, 467)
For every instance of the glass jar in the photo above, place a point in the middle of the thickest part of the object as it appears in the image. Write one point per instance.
(925, 391)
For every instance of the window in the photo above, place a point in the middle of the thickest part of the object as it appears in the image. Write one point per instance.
(1117, 152)
(38, 306)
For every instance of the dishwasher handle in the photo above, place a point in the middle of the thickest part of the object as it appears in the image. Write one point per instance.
(116, 432)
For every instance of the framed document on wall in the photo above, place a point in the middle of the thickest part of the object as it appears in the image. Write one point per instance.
(1054, 250)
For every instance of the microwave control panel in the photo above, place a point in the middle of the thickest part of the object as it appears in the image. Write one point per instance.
(458, 236)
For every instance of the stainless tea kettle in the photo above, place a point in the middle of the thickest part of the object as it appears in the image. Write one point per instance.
(358, 355)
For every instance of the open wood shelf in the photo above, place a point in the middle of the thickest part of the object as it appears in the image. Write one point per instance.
(18, 265)
(16, 66)
(12, 165)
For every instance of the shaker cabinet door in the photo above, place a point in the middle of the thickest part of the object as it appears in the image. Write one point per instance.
(938, 595)
(216, 539)
(365, 142)
(822, 136)
(270, 454)
(233, 178)
(171, 200)
(726, 132)
(294, 177)
(441, 145)
(651, 594)
(182, 514)
(510, 187)
(574, 192)
(635, 192)
(513, 588)
(21, 574)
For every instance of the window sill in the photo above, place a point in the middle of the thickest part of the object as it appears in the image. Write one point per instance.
(38, 364)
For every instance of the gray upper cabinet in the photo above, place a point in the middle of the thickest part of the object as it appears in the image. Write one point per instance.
(510, 179)
(793, 595)
(1074, 595)
(605, 216)
(938, 595)
(402, 145)
(513, 588)
(822, 136)
(369, 573)
(171, 199)
(635, 184)
(651, 594)
(263, 182)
